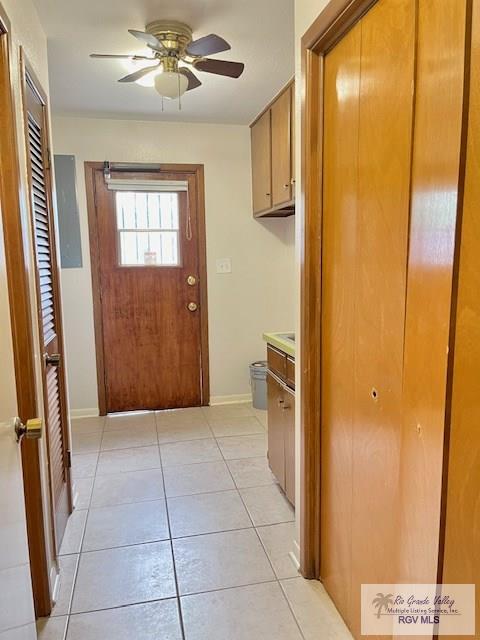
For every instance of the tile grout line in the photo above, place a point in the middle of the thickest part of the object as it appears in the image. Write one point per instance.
(182, 495)
(183, 537)
(255, 527)
(179, 602)
(74, 583)
(277, 580)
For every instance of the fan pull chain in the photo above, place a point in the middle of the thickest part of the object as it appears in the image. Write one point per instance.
(179, 96)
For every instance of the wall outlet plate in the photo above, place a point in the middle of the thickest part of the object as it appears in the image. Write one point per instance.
(224, 265)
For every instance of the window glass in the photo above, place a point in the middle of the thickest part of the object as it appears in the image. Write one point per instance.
(148, 229)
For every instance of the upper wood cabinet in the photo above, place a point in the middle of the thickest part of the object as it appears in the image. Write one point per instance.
(273, 158)
(262, 163)
(281, 154)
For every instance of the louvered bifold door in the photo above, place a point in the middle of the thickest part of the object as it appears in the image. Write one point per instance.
(48, 301)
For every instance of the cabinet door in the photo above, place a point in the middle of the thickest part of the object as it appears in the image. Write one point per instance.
(281, 149)
(262, 164)
(289, 437)
(292, 138)
(276, 437)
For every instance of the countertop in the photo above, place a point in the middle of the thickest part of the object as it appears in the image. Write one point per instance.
(284, 341)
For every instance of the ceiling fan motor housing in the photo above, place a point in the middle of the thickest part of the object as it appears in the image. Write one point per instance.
(174, 36)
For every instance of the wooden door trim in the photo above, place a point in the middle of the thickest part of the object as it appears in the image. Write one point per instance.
(16, 250)
(29, 77)
(329, 27)
(197, 170)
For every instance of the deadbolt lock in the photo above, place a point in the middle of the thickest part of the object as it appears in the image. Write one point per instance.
(32, 430)
(192, 306)
(191, 280)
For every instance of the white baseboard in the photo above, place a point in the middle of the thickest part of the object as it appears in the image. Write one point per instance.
(84, 413)
(295, 555)
(55, 581)
(235, 399)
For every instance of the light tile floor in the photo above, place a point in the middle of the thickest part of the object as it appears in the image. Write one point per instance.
(180, 532)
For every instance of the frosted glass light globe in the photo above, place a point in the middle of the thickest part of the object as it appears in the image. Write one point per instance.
(170, 84)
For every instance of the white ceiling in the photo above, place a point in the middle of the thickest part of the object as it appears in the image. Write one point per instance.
(261, 33)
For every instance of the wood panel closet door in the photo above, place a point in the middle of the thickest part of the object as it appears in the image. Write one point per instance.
(384, 164)
(462, 534)
(342, 69)
(369, 108)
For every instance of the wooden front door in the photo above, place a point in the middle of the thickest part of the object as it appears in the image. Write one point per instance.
(148, 251)
(48, 302)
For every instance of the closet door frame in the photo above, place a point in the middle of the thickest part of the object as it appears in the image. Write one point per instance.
(328, 29)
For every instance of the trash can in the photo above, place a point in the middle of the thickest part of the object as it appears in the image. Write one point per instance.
(258, 382)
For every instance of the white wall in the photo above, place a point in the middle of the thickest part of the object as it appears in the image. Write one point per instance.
(257, 296)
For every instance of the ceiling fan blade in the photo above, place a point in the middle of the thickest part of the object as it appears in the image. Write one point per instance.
(121, 56)
(147, 38)
(207, 46)
(136, 75)
(221, 67)
(193, 81)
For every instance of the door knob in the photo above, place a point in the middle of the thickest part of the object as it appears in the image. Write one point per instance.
(32, 430)
(191, 280)
(192, 306)
(53, 359)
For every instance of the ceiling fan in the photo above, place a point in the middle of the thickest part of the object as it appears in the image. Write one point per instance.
(171, 43)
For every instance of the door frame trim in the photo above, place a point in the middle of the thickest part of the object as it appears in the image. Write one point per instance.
(329, 27)
(197, 170)
(16, 252)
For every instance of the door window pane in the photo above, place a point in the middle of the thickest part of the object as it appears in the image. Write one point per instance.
(148, 229)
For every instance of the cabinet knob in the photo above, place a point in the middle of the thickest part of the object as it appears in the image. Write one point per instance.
(286, 186)
(268, 194)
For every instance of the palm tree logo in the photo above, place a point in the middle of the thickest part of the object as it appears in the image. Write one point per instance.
(382, 602)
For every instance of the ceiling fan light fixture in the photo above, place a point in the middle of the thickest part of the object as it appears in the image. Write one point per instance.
(171, 84)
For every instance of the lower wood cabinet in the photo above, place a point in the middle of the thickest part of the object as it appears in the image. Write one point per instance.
(281, 427)
(276, 437)
(289, 439)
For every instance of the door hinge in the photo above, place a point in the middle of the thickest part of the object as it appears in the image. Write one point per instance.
(49, 158)
(69, 459)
